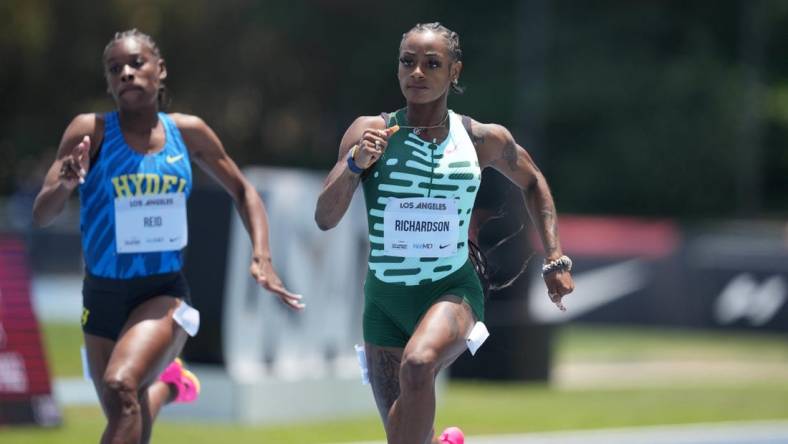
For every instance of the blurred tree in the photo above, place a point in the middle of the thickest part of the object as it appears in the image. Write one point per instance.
(654, 107)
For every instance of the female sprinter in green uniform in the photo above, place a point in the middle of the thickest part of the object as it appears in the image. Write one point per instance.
(132, 169)
(422, 295)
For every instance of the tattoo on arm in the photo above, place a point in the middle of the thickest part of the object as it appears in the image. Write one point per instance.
(550, 230)
(509, 154)
(543, 214)
(477, 138)
(473, 131)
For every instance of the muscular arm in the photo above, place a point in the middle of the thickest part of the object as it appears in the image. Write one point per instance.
(207, 151)
(496, 148)
(54, 193)
(341, 183)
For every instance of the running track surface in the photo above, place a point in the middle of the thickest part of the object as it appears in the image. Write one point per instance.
(761, 432)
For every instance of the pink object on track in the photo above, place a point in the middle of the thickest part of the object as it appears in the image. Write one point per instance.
(185, 381)
(452, 435)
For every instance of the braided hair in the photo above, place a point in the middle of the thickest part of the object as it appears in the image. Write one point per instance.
(163, 98)
(480, 258)
(452, 39)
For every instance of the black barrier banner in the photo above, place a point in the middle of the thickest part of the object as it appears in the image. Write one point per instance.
(654, 272)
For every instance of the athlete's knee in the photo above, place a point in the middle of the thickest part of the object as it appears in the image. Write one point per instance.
(418, 369)
(120, 396)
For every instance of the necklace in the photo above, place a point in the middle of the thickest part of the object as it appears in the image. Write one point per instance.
(417, 130)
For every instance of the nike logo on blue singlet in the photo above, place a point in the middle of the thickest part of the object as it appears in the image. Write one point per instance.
(121, 172)
(173, 159)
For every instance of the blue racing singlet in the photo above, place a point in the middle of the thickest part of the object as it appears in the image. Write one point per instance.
(120, 172)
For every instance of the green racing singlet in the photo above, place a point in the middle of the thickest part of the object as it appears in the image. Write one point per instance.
(417, 182)
(419, 197)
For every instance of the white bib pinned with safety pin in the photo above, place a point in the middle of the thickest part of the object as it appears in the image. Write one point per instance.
(420, 227)
(145, 224)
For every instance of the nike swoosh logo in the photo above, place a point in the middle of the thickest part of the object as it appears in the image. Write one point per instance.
(173, 159)
(593, 289)
(443, 246)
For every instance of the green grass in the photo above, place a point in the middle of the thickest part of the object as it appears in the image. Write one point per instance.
(627, 344)
(61, 343)
(573, 344)
(489, 408)
(512, 408)
(479, 408)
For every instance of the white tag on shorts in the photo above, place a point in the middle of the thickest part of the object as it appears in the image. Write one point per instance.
(420, 227)
(188, 318)
(145, 224)
(362, 363)
(83, 353)
(476, 337)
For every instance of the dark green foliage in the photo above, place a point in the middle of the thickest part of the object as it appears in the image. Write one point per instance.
(652, 107)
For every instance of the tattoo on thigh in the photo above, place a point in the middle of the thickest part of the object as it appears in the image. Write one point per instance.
(384, 376)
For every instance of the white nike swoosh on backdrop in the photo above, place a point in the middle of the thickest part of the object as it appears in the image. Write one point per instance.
(593, 289)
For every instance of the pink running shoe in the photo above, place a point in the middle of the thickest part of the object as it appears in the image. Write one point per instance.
(185, 381)
(452, 435)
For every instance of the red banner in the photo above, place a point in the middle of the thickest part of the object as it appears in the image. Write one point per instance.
(25, 389)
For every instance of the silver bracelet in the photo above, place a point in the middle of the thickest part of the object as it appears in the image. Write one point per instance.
(563, 263)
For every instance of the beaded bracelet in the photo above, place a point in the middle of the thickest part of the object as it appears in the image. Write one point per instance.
(563, 263)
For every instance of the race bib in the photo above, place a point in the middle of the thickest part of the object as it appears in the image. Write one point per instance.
(146, 224)
(420, 227)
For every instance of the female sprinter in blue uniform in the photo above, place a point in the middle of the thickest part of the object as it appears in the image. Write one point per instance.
(420, 168)
(133, 170)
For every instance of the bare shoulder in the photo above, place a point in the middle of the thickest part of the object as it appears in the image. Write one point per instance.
(200, 139)
(188, 122)
(87, 124)
(485, 133)
(491, 140)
